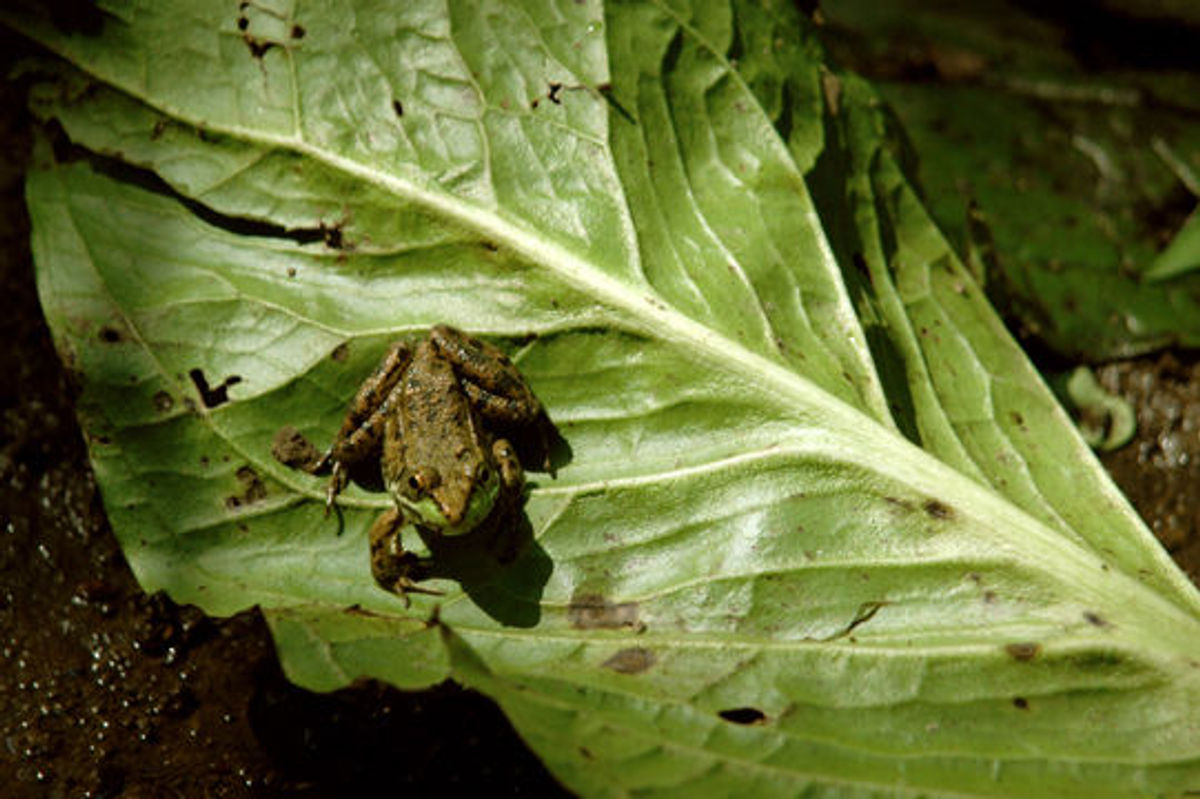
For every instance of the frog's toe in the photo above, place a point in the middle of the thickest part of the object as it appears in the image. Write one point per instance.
(403, 586)
(336, 483)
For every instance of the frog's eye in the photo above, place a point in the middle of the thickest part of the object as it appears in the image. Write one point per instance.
(422, 480)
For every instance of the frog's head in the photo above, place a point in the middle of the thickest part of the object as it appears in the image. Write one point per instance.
(452, 504)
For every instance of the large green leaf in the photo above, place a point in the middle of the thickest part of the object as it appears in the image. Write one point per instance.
(1060, 148)
(822, 529)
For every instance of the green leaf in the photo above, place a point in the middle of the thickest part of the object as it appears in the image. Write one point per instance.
(1063, 175)
(1181, 256)
(823, 528)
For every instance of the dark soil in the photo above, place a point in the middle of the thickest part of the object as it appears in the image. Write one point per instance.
(105, 691)
(1160, 469)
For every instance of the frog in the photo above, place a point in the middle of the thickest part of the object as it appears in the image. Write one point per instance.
(427, 416)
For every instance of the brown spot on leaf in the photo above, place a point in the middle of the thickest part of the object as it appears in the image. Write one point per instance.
(1023, 650)
(594, 612)
(744, 715)
(341, 352)
(1095, 619)
(1020, 703)
(163, 402)
(298, 31)
(398, 107)
(292, 449)
(254, 488)
(634, 660)
(937, 509)
(110, 335)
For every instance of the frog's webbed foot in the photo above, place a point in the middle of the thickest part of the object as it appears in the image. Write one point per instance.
(404, 586)
(395, 569)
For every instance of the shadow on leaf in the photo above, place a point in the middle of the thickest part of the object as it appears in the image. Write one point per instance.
(504, 571)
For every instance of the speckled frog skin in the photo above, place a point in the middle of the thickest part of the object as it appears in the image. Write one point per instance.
(426, 415)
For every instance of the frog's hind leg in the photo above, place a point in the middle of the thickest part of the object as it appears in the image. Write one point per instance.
(361, 435)
(490, 379)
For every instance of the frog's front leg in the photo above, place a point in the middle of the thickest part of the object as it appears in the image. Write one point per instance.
(360, 437)
(395, 569)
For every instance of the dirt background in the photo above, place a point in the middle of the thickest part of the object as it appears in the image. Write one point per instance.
(106, 692)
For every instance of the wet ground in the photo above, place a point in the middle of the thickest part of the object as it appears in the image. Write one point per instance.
(105, 691)
(1160, 469)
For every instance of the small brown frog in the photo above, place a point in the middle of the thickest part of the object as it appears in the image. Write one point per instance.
(426, 416)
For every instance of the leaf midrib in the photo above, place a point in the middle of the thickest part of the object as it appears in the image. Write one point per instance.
(652, 316)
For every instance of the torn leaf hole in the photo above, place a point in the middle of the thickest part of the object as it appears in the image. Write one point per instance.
(1020, 703)
(866, 611)
(744, 715)
(110, 335)
(258, 47)
(147, 180)
(213, 396)
(332, 236)
(398, 107)
(298, 31)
